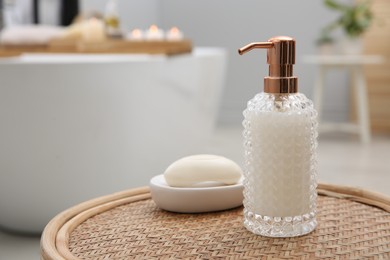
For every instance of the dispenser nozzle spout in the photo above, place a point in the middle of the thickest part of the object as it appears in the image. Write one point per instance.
(281, 58)
(255, 45)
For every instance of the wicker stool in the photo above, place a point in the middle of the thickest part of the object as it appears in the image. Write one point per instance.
(352, 224)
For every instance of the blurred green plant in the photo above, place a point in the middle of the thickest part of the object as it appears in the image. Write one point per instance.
(354, 19)
(325, 37)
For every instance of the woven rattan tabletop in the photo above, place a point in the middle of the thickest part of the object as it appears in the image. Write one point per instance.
(352, 224)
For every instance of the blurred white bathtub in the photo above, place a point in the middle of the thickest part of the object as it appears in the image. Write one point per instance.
(74, 127)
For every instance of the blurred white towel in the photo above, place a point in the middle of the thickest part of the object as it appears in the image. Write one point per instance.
(30, 34)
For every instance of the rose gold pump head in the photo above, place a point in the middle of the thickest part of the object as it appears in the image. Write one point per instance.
(281, 58)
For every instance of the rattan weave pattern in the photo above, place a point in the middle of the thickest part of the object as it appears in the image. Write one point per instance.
(139, 230)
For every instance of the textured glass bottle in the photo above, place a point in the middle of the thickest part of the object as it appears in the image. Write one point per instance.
(280, 141)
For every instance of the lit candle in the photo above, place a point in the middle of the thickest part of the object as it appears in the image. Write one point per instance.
(174, 34)
(154, 33)
(93, 30)
(135, 35)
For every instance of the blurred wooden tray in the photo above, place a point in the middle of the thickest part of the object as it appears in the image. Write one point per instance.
(108, 46)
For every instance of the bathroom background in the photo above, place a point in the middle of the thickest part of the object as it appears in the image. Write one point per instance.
(230, 24)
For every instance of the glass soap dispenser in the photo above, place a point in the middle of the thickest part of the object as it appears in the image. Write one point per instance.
(280, 141)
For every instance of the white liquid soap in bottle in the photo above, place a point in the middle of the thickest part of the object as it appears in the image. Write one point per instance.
(280, 141)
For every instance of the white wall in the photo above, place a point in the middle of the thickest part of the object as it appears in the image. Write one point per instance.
(232, 24)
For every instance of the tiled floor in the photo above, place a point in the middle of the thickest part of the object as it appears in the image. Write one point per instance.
(342, 160)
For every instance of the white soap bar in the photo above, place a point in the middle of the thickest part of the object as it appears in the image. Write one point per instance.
(197, 169)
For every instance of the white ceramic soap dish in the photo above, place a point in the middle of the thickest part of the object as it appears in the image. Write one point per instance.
(195, 199)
